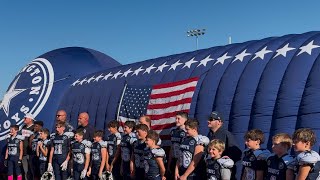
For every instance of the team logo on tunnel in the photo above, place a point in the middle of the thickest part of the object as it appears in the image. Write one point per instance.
(28, 93)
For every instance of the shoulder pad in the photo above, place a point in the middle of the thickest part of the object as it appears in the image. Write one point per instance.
(159, 142)
(226, 162)
(271, 155)
(207, 157)
(308, 157)
(288, 159)
(8, 136)
(68, 134)
(261, 154)
(86, 143)
(103, 144)
(118, 135)
(202, 140)
(132, 138)
(46, 142)
(52, 135)
(158, 152)
(20, 137)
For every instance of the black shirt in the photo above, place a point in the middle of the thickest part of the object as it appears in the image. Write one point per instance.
(87, 132)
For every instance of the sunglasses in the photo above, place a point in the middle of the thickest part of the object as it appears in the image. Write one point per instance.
(58, 115)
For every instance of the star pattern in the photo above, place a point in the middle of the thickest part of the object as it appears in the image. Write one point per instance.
(136, 72)
(175, 65)
(222, 59)
(241, 56)
(189, 63)
(125, 74)
(308, 48)
(260, 54)
(205, 61)
(10, 94)
(148, 70)
(281, 51)
(160, 68)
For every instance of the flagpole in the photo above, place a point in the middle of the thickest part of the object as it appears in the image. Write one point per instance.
(124, 90)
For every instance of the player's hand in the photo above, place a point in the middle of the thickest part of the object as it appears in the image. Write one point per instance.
(100, 175)
(19, 162)
(89, 172)
(64, 165)
(5, 163)
(183, 177)
(83, 174)
(50, 168)
(110, 168)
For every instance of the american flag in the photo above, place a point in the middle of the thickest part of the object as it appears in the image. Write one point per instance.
(160, 102)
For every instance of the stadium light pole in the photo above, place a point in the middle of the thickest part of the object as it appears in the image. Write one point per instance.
(196, 33)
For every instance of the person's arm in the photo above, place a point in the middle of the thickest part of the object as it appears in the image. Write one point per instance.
(21, 150)
(259, 175)
(176, 172)
(86, 164)
(289, 174)
(116, 156)
(44, 150)
(51, 155)
(170, 158)
(104, 156)
(195, 160)
(303, 172)
(132, 165)
(7, 154)
(161, 167)
(107, 160)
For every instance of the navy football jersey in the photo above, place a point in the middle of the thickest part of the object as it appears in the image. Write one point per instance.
(113, 140)
(252, 161)
(216, 166)
(46, 145)
(138, 151)
(277, 166)
(13, 145)
(96, 156)
(79, 151)
(61, 145)
(151, 166)
(177, 136)
(126, 146)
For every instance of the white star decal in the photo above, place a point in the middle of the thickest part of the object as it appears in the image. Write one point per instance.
(148, 70)
(160, 68)
(92, 78)
(283, 51)
(308, 48)
(10, 94)
(174, 66)
(76, 82)
(107, 76)
(98, 78)
(241, 56)
(222, 59)
(83, 81)
(115, 76)
(137, 71)
(260, 54)
(189, 63)
(125, 74)
(205, 61)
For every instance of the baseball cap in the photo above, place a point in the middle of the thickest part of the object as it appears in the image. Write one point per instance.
(215, 115)
(28, 115)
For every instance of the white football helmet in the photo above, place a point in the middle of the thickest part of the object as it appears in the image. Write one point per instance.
(47, 176)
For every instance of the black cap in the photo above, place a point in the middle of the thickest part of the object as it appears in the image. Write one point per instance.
(216, 115)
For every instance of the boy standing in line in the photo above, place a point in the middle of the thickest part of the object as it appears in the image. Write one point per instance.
(60, 152)
(306, 165)
(98, 156)
(43, 147)
(254, 159)
(278, 163)
(154, 158)
(113, 144)
(14, 152)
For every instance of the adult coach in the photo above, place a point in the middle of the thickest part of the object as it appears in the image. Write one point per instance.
(83, 125)
(232, 150)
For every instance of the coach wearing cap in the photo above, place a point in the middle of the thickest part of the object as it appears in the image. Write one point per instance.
(232, 150)
(26, 132)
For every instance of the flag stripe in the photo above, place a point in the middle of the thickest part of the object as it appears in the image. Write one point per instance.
(172, 109)
(163, 126)
(172, 93)
(169, 104)
(170, 99)
(166, 115)
(168, 85)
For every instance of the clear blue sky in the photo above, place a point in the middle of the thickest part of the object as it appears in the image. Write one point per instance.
(131, 31)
